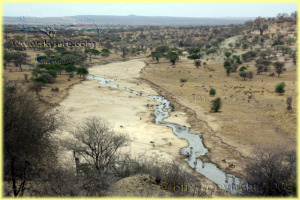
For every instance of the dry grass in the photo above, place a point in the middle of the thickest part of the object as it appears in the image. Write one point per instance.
(242, 122)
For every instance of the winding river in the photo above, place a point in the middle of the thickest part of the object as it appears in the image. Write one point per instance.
(195, 149)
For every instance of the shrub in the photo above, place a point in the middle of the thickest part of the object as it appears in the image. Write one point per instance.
(227, 54)
(242, 68)
(212, 92)
(279, 88)
(41, 79)
(70, 68)
(55, 89)
(53, 73)
(49, 78)
(227, 63)
(216, 104)
(183, 80)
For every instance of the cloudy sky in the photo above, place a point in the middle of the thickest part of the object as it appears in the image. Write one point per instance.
(149, 9)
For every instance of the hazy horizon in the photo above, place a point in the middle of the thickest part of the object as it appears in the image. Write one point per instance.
(194, 10)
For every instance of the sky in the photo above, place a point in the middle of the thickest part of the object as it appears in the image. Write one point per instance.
(148, 9)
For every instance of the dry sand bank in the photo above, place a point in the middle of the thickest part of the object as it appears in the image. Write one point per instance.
(121, 108)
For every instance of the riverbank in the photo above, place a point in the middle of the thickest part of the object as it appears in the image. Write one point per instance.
(232, 133)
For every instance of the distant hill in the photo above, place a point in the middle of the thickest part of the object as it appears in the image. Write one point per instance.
(126, 20)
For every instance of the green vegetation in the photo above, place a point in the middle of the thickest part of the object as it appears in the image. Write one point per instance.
(279, 88)
(212, 92)
(216, 104)
(183, 80)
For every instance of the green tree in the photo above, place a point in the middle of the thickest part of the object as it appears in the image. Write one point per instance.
(194, 57)
(228, 70)
(173, 59)
(70, 68)
(279, 67)
(227, 63)
(105, 52)
(227, 54)
(91, 52)
(279, 88)
(162, 49)
(242, 68)
(156, 54)
(212, 92)
(53, 73)
(216, 104)
(82, 71)
(41, 79)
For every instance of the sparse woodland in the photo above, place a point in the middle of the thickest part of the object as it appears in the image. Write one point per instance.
(247, 72)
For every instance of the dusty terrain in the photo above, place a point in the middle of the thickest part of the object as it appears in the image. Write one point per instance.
(243, 122)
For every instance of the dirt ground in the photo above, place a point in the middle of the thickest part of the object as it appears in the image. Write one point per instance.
(243, 122)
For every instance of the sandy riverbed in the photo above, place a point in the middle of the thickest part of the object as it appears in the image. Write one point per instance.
(121, 108)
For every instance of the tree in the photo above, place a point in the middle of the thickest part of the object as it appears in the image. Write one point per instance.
(7, 57)
(194, 57)
(216, 104)
(70, 68)
(289, 103)
(227, 63)
(279, 67)
(227, 54)
(82, 71)
(262, 65)
(105, 52)
(91, 52)
(97, 143)
(41, 79)
(270, 171)
(124, 49)
(260, 24)
(48, 77)
(279, 88)
(198, 63)
(173, 58)
(162, 49)
(228, 70)
(156, 55)
(212, 92)
(28, 144)
(19, 58)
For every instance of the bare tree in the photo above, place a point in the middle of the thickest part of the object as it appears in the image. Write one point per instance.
(289, 102)
(270, 171)
(97, 143)
(19, 58)
(28, 144)
(260, 24)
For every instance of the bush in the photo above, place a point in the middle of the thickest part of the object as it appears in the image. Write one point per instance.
(216, 104)
(53, 73)
(271, 171)
(279, 88)
(227, 54)
(212, 91)
(227, 63)
(55, 89)
(211, 50)
(183, 80)
(49, 78)
(41, 79)
(70, 68)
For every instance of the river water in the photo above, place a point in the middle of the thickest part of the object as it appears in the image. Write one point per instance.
(195, 149)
